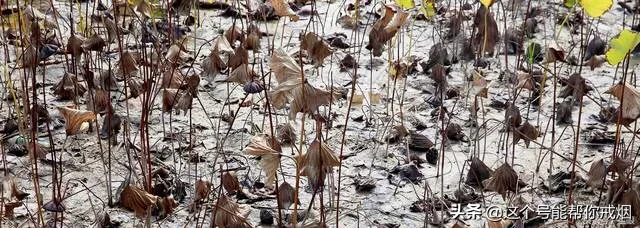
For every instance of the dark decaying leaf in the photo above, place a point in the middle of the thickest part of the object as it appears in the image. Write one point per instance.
(348, 62)
(94, 43)
(230, 182)
(438, 54)
(68, 87)
(486, 36)
(203, 189)
(54, 206)
(478, 172)
(173, 99)
(100, 102)
(419, 142)
(575, 86)
(596, 47)
(597, 173)
(563, 113)
(526, 132)
(385, 28)
(253, 87)
(512, 115)
(286, 134)
(286, 194)
(504, 179)
(454, 132)
(396, 134)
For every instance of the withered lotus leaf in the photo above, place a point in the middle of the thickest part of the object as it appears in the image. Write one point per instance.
(68, 87)
(11, 191)
(286, 133)
(137, 199)
(630, 98)
(526, 132)
(283, 66)
(486, 36)
(240, 75)
(127, 64)
(74, 45)
(94, 43)
(286, 193)
(269, 157)
(512, 115)
(385, 28)
(230, 182)
(478, 172)
(307, 99)
(234, 34)
(229, 214)
(240, 57)
(504, 179)
(167, 205)
(315, 47)
(282, 9)
(75, 119)
(203, 189)
(172, 79)
(100, 102)
(318, 162)
(575, 86)
(597, 173)
(174, 99)
(213, 64)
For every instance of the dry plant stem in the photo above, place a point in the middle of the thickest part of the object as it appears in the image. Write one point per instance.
(33, 121)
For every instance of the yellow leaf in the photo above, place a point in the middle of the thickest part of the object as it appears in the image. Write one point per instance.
(211, 1)
(487, 3)
(428, 8)
(406, 4)
(82, 25)
(622, 44)
(595, 8)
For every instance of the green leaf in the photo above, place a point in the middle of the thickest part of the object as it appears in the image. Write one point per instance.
(622, 44)
(595, 8)
(406, 4)
(428, 8)
(569, 3)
